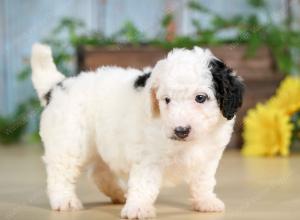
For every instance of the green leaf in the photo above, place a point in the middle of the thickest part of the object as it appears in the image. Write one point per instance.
(218, 22)
(24, 73)
(12, 126)
(257, 3)
(130, 32)
(167, 19)
(207, 37)
(197, 6)
(254, 42)
(183, 42)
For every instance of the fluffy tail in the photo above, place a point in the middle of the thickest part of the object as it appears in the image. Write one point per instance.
(44, 72)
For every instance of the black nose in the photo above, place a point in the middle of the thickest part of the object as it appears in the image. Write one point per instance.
(182, 132)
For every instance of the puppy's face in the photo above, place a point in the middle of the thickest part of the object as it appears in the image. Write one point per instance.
(193, 92)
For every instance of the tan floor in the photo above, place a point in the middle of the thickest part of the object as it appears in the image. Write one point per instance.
(252, 188)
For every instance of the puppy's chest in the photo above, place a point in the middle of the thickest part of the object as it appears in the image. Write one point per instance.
(177, 170)
(173, 175)
(181, 167)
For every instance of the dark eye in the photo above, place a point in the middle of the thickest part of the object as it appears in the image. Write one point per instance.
(167, 100)
(201, 98)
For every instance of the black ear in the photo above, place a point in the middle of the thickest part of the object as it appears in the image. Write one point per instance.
(229, 88)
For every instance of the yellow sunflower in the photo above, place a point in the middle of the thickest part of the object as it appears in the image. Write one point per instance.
(267, 132)
(287, 96)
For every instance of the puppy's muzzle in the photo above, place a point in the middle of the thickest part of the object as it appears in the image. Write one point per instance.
(182, 132)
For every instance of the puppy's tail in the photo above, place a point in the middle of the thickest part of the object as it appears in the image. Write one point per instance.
(44, 72)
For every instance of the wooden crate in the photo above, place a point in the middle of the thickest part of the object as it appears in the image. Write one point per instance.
(89, 58)
(258, 72)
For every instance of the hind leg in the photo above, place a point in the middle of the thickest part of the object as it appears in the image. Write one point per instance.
(62, 174)
(66, 153)
(107, 182)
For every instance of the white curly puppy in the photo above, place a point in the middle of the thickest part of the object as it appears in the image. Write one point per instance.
(137, 128)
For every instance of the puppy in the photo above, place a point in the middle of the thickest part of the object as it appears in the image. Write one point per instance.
(137, 130)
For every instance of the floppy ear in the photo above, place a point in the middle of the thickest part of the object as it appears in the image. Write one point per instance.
(229, 88)
(154, 105)
(152, 88)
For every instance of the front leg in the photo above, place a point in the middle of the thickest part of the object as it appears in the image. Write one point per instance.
(143, 188)
(202, 185)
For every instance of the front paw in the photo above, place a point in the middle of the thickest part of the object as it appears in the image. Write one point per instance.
(65, 203)
(208, 204)
(137, 211)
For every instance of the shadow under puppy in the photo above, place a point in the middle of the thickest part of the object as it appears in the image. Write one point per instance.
(137, 130)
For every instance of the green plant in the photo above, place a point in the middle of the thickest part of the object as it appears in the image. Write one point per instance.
(283, 42)
(130, 34)
(13, 126)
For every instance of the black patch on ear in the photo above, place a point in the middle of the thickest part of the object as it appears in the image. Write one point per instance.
(141, 80)
(48, 95)
(229, 89)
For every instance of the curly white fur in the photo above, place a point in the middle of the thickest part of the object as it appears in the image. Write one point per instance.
(99, 119)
